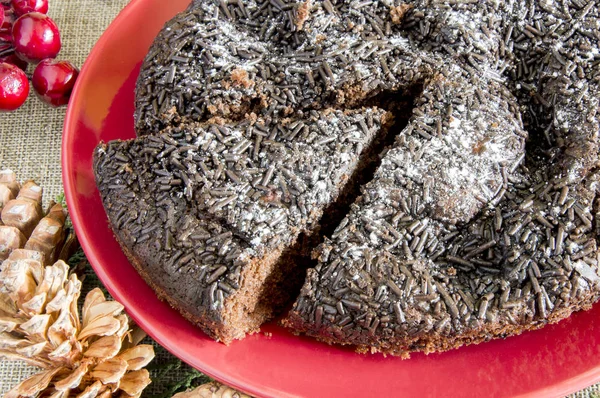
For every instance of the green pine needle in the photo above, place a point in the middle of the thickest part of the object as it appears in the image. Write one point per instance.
(190, 379)
(77, 258)
(60, 198)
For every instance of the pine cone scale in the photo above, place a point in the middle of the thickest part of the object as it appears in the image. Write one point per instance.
(33, 385)
(8, 324)
(35, 305)
(110, 371)
(104, 347)
(23, 223)
(24, 212)
(73, 380)
(61, 352)
(37, 327)
(14, 356)
(91, 391)
(33, 350)
(212, 390)
(93, 298)
(8, 341)
(133, 383)
(138, 357)
(11, 239)
(101, 327)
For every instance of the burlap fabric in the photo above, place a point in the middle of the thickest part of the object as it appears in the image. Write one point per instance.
(30, 141)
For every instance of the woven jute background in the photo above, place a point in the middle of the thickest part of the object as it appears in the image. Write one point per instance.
(30, 144)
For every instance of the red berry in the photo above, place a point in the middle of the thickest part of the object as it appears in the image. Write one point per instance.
(24, 6)
(7, 54)
(5, 36)
(6, 25)
(53, 81)
(12, 58)
(9, 18)
(35, 37)
(14, 87)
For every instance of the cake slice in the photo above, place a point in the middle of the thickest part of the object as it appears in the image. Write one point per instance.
(459, 238)
(215, 217)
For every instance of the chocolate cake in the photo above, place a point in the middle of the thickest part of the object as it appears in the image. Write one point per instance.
(209, 213)
(439, 160)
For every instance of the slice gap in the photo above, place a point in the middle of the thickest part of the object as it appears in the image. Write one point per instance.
(272, 283)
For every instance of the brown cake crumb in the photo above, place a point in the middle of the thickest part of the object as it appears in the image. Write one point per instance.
(399, 12)
(217, 120)
(302, 14)
(212, 109)
(251, 117)
(240, 77)
(479, 146)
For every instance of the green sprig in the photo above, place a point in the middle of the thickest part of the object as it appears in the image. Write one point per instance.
(190, 379)
(60, 199)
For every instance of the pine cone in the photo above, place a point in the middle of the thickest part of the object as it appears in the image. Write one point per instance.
(26, 229)
(39, 324)
(39, 318)
(212, 390)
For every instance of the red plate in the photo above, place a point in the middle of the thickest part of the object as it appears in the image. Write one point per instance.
(554, 361)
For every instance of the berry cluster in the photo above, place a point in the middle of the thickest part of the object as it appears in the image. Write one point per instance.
(29, 36)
